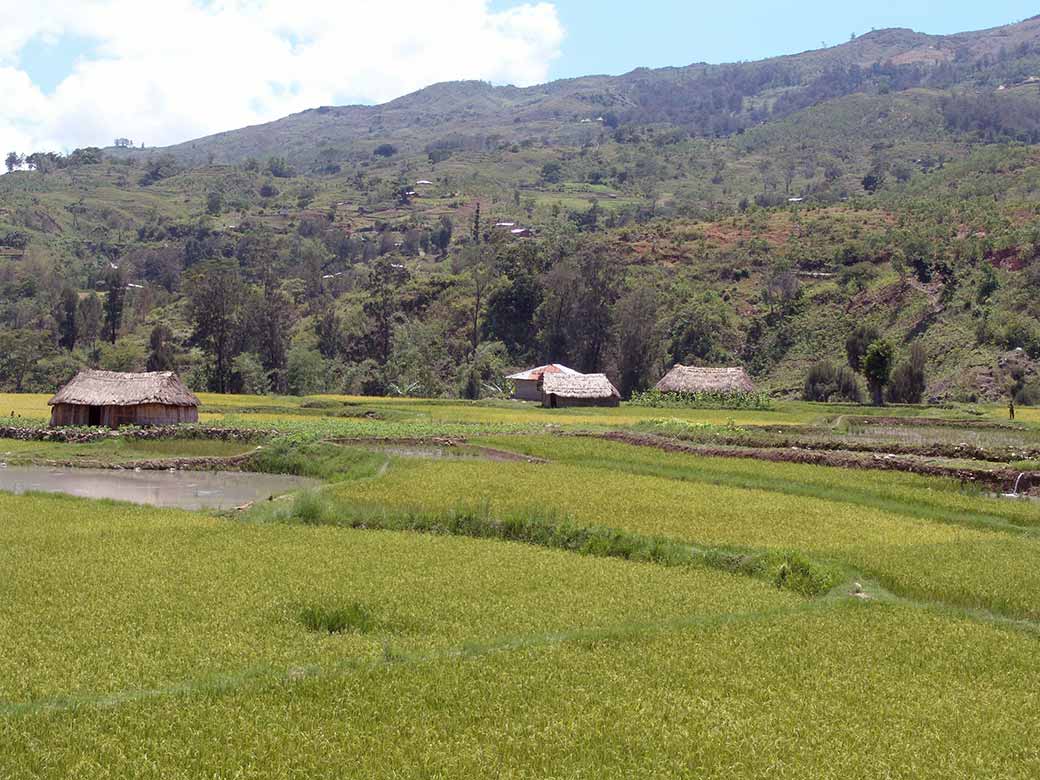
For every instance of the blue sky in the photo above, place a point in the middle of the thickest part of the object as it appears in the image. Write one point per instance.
(615, 37)
(82, 72)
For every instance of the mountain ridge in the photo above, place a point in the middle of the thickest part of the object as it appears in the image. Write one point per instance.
(514, 110)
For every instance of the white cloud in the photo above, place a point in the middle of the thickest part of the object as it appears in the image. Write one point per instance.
(165, 71)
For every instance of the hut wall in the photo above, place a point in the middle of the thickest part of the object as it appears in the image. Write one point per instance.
(69, 414)
(115, 416)
(527, 390)
(565, 402)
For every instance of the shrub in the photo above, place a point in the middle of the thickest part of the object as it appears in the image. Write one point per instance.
(337, 620)
(701, 400)
(310, 507)
(908, 379)
(824, 382)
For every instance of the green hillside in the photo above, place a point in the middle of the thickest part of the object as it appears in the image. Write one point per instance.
(750, 213)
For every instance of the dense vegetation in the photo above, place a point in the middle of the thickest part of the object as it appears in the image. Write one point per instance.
(749, 214)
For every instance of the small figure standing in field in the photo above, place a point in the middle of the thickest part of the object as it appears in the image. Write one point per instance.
(1011, 408)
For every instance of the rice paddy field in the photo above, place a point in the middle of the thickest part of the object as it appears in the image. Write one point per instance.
(540, 602)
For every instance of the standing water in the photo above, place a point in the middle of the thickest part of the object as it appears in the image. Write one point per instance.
(183, 489)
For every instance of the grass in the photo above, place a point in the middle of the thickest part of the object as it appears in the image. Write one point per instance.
(919, 537)
(323, 618)
(175, 598)
(617, 611)
(851, 691)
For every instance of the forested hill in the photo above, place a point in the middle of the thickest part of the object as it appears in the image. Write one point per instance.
(751, 213)
(701, 99)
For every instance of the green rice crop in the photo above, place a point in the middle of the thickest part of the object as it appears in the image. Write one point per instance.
(855, 692)
(99, 597)
(848, 518)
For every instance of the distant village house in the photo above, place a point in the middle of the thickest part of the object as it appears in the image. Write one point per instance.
(560, 390)
(694, 379)
(112, 399)
(528, 383)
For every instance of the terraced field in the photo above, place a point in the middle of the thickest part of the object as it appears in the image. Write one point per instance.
(593, 609)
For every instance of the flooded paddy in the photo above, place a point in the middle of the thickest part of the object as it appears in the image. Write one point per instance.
(181, 489)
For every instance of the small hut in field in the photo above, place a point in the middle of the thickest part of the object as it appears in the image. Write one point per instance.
(559, 390)
(694, 379)
(529, 383)
(111, 399)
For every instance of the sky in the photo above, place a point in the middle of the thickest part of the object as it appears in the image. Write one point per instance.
(83, 72)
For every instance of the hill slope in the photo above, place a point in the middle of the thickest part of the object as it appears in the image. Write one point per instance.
(752, 213)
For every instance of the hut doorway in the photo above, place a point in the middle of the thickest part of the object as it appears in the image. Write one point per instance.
(94, 415)
(552, 400)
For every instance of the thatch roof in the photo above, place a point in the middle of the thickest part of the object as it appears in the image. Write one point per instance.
(692, 379)
(579, 386)
(112, 388)
(536, 374)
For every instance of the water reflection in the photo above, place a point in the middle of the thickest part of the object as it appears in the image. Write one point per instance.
(184, 489)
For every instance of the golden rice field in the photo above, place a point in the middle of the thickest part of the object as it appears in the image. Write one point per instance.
(390, 623)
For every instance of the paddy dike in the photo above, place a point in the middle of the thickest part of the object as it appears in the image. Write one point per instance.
(1000, 480)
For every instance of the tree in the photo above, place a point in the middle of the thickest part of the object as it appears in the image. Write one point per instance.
(215, 293)
(480, 278)
(160, 350)
(442, 235)
(273, 320)
(13, 160)
(279, 168)
(68, 325)
(699, 331)
(638, 339)
(305, 371)
(89, 317)
(857, 343)
(249, 372)
(510, 316)
(552, 172)
(382, 305)
(19, 351)
(476, 224)
(877, 368)
(600, 276)
(872, 182)
(115, 281)
(908, 378)
(385, 150)
(825, 382)
(329, 330)
(214, 203)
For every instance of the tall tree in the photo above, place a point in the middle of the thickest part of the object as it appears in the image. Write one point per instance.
(160, 349)
(638, 337)
(115, 280)
(274, 318)
(857, 343)
(68, 325)
(510, 314)
(90, 313)
(877, 368)
(216, 293)
(908, 378)
(600, 276)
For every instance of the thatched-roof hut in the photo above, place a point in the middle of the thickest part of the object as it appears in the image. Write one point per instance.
(111, 398)
(694, 379)
(528, 383)
(578, 390)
